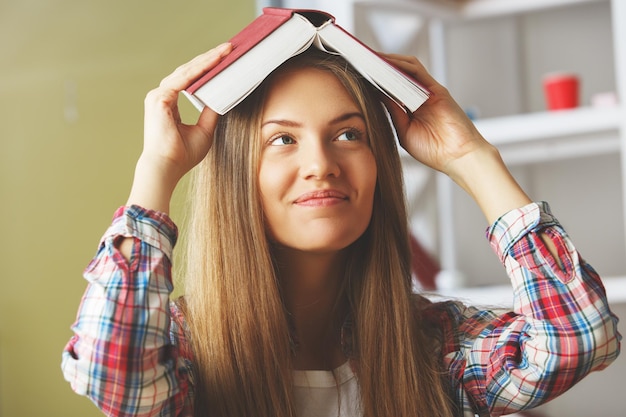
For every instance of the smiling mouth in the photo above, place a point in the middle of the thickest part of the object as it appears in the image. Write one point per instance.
(321, 198)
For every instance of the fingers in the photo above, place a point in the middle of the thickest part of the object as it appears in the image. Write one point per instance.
(165, 96)
(192, 70)
(208, 119)
(411, 65)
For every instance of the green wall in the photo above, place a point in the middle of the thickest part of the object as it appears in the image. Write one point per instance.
(73, 75)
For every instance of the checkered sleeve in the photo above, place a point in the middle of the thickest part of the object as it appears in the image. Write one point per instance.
(122, 355)
(560, 329)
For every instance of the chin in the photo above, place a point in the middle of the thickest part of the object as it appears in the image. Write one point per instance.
(322, 246)
(319, 238)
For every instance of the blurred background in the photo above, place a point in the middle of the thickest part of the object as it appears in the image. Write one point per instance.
(73, 76)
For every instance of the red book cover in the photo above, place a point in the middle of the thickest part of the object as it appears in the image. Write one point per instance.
(251, 35)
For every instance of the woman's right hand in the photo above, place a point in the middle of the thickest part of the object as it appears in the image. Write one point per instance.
(172, 148)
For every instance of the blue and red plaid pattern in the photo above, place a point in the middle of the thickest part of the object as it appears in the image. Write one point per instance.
(129, 353)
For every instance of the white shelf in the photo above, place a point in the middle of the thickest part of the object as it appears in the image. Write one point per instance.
(546, 125)
(502, 295)
(549, 136)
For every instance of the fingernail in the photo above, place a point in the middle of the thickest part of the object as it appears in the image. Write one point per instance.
(223, 47)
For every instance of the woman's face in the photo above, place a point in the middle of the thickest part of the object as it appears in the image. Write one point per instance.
(317, 173)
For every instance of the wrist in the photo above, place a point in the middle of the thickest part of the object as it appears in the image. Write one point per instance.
(153, 185)
(471, 169)
(484, 176)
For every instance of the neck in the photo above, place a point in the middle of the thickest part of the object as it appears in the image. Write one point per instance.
(311, 284)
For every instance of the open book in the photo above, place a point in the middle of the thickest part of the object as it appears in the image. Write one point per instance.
(277, 35)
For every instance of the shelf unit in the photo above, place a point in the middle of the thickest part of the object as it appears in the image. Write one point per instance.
(521, 138)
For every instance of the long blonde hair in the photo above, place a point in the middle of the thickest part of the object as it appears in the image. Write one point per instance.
(236, 318)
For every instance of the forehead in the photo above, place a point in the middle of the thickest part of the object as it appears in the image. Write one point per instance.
(307, 89)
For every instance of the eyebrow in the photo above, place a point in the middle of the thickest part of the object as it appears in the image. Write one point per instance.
(291, 123)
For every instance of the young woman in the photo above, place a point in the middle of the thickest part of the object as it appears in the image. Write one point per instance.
(297, 283)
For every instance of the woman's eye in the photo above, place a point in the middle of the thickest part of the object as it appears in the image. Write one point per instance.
(349, 135)
(282, 140)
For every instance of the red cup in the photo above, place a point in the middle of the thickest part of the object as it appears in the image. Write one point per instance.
(561, 91)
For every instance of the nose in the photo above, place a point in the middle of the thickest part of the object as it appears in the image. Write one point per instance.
(318, 161)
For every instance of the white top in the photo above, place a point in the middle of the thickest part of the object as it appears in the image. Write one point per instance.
(327, 393)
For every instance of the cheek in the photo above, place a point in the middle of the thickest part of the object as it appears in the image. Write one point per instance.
(272, 189)
(269, 215)
(267, 178)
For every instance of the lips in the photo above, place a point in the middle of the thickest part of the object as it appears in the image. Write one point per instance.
(321, 198)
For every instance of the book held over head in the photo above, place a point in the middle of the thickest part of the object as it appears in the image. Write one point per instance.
(279, 34)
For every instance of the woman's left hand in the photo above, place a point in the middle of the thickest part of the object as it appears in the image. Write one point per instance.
(439, 133)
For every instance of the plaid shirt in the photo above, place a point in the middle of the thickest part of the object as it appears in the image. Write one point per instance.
(130, 356)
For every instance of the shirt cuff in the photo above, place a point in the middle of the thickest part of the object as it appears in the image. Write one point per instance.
(152, 227)
(515, 224)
